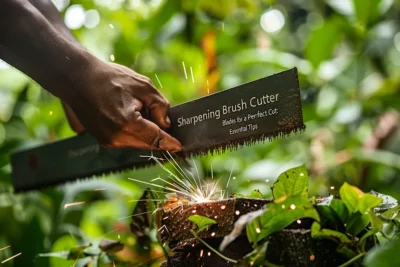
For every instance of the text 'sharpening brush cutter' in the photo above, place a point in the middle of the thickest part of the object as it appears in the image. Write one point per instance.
(263, 109)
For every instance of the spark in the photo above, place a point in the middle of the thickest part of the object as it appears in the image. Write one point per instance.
(112, 57)
(159, 81)
(184, 69)
(191, 71)
(229, 177)
(111, 26)
(4, 248)
(100, 189)
(73, 204)
(10, 258)
(258, 230)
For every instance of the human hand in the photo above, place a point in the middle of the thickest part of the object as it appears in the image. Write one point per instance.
(120, 107)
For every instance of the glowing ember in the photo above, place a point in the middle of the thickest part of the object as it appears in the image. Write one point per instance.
(10, 258)
(312, 257)
(258, 230)
(73, 204)
(100, 189)
(293, 206)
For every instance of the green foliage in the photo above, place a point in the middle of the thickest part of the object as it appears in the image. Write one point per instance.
(384, 256)
(202, 222)
(293, 182)
(255, 194)
(256, 257)
(279, 215)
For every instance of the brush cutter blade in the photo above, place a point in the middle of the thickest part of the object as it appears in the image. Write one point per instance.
(263, 109)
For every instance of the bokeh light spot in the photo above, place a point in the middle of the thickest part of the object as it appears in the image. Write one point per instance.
(272, 20)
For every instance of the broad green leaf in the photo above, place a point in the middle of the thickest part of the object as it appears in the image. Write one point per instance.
(255, 194)
(322, 41)
(366, 10)
(357, 222)
(202, 222)
(338, 237)
(391, 214)
(376, 222)
(340, 208)
(350, 196)
(367, 202)
(384, 256)
(279, 215)
(293, 182)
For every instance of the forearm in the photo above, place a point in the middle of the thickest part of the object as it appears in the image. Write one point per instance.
(50, 58)
(49, 10)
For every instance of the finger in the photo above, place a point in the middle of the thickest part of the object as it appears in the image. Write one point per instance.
(73, 120)
(147, 135)
(157, 105)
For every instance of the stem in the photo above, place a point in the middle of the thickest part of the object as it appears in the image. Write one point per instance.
(356, 258)
(211, 248)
